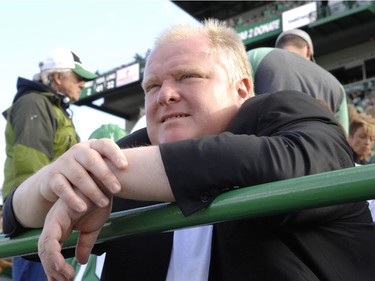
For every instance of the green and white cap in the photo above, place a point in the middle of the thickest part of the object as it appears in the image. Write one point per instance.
(64, 58)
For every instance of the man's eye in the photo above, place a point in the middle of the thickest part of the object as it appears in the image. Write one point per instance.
(187, 76)
(151, 87)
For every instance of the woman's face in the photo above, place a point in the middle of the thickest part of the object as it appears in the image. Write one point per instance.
(361, 143)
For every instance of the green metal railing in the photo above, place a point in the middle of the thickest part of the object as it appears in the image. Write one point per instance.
(341, 186)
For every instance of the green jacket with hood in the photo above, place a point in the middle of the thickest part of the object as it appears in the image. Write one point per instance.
(39, 130)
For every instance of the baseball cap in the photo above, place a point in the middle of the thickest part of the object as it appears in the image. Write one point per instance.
(300, 33)
(63, 58)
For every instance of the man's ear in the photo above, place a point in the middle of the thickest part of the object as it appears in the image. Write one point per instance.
(244, 89)
(308, 53)
(56, 78)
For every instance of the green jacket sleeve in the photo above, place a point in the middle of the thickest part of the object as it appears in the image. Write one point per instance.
(31, 126)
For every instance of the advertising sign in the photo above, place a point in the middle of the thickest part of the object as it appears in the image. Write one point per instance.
(260, 30)
(300, 16)
(127, 75)
(111, 80)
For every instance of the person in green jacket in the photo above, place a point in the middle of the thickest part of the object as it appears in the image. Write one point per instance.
(39, 128)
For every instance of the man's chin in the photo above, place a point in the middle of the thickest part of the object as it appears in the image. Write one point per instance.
(174, 136)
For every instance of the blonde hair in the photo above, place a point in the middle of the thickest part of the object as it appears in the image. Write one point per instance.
(224, 44)
(362, 120)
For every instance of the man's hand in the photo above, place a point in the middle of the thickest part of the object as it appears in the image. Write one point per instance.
(84, 167)
(77, 167)
(59, 223)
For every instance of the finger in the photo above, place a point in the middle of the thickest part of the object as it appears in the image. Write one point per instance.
(56, 229)
(54, 276)
(109, 149)
(85, 244)
(90, 227)
(90, 156)
(53, 262)
(75, 168)
(55, 185)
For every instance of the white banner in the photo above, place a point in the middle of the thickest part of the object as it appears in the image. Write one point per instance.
(299, 16)
(127, 75)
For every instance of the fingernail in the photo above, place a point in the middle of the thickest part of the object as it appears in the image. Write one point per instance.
(116, 187)
(81, 207)
(103, 202)
(121, 162)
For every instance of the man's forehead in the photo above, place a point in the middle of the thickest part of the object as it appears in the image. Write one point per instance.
(176, 61)
(186, 66)
(180, 46)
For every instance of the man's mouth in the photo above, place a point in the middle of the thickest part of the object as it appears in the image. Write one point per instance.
(168, 118)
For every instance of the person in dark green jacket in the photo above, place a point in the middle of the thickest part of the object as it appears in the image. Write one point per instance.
(39, 128)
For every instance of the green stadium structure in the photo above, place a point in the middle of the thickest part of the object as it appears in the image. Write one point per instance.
(343, 37)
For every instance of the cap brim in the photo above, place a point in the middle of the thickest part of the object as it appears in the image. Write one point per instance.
(85, 74)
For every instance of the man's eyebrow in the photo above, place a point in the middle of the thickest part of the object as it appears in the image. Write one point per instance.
(148, 80)
(177, 70)
(187, 68)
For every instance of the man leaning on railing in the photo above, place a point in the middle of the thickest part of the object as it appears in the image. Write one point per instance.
(206, 134)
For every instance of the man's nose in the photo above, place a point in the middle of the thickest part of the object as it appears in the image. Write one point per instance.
(81, 84)
(168, 94)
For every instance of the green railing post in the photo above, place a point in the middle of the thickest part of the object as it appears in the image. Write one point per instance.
(336, 187)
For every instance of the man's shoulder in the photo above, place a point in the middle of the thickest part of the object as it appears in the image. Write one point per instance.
(286, 105)
(137, 138)
(296, 63)
(282, 96)
(35, 97)
(256, 57)
(30, 103)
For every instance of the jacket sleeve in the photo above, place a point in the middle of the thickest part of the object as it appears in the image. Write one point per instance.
(274, 136)
(13, 228)
(34, 124)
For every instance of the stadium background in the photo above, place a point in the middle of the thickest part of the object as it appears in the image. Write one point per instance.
(343, 34)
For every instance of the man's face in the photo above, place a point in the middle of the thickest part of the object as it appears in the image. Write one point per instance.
(361, 143)
(70, 84)
(188, 94)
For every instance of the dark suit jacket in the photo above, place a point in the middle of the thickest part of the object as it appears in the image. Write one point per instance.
(273, 137)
